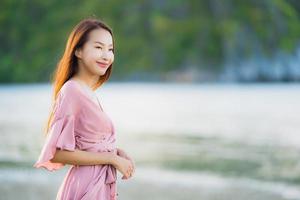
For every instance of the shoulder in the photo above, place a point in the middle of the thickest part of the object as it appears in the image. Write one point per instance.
(68, 101)
(70, 93)
(70, 88)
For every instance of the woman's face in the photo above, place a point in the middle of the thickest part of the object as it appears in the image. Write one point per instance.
(96, 55)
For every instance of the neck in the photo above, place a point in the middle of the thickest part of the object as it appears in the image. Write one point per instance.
(84, 76)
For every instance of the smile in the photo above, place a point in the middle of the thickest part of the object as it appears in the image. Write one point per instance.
(103, 65)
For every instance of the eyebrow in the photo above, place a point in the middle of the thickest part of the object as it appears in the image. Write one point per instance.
(102, 43)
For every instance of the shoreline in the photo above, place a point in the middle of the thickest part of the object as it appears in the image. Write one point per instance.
(149, 183)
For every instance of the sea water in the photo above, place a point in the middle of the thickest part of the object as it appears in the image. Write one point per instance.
(189, 141)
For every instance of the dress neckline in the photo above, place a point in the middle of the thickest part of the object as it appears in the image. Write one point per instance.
(85, 90)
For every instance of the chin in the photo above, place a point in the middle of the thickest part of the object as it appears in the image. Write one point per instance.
(102, 73)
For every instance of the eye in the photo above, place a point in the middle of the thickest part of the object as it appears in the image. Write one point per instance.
(111, 49)
(98, 47)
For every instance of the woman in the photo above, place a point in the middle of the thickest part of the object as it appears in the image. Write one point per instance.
(79, 132)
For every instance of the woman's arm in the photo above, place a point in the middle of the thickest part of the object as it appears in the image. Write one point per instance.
(79, 157)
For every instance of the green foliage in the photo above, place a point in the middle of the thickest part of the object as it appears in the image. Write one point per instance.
(151, 36)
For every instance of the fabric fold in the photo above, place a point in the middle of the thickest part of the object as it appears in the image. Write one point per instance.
(107, 176)
(61, 136)
(111, 178)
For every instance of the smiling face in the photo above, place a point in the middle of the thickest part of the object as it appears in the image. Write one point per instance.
(96, 55)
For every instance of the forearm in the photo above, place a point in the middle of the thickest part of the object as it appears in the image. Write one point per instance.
(79, 157)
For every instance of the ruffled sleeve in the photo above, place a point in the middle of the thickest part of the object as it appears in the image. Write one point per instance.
(61, 134)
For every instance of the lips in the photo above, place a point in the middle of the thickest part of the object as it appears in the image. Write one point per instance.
(101, 64)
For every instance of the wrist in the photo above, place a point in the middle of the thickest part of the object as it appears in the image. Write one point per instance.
(113, 158)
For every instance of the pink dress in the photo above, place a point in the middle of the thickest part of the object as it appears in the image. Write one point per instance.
(79, 123)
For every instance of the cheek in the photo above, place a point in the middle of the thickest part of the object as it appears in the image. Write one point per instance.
(112, 57)
(89, 55)
(93, 54)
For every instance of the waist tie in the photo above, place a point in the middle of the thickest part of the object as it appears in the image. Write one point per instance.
(111, 175)
(110, 179)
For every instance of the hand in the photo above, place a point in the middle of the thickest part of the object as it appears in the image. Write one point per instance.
(123, 154)
(124, 166)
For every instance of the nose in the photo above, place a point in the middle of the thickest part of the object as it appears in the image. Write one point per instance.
(104, 55)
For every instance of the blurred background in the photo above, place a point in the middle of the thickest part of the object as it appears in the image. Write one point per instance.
(204, 95)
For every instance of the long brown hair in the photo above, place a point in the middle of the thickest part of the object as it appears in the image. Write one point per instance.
(67, 66)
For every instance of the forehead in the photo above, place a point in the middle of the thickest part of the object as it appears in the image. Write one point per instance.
(100, 35)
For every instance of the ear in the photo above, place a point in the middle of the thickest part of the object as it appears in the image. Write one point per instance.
(78, 53)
